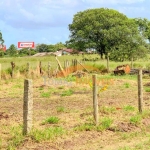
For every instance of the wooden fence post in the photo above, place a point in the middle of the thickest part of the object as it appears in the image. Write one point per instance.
(0, 71)
(40, 67)
(13, 67)
(140, 91)
(27, 106)
(95, 101)
(28, 69)
(49, 69)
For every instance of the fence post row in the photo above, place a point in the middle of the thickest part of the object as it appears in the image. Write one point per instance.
(27, 106)
(95, 101)
(140, 91)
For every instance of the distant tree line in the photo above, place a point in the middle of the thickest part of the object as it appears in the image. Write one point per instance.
(14, 52)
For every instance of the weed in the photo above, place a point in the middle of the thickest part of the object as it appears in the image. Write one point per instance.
(127, 85)
(85, 127)
(17, 137)
(46, 134)
(135, 119)
(147, 89)
(107, 110)
(45, 94)
(105, 124)
(41, 88)
(145, 113)
(124, 148)
(67, 93)
(51, 120)
(129, 108)
(60, 109)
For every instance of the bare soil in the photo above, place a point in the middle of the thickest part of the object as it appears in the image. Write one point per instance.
(78, 110)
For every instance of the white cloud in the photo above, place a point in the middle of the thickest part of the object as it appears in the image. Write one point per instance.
(113, 1)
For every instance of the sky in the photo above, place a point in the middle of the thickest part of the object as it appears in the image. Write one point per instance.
(46, 21)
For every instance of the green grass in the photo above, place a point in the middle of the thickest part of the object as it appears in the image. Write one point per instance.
(46, 134)
(136, 119)
(51, 120)
(147, 89)
(107, 110)
(129, 108)
(127, 85)
(46, 94)
(60, 109)
(67, 93)
(104, 124)
(17, 137)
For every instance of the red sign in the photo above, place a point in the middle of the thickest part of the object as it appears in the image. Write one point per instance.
(25, 44)
(3, 47)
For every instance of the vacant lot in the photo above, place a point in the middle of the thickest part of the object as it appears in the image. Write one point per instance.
(63, 115)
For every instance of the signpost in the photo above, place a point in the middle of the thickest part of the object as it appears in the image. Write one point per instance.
(26, 45)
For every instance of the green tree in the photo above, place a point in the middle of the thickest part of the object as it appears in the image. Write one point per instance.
(42, 48)
(59, 46)
(1, 52)
(1, 39)
(106, 30)
(12, 50)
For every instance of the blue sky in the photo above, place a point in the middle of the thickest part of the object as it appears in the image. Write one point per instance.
(46, 21)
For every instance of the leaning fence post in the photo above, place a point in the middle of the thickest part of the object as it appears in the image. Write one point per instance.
(95, 101)
(27, 106)
(140, 91)
(49, 66)
(28, 69)
(13, 67)
(0, 71)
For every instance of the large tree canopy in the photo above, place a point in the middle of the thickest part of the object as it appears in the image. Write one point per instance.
(106, 30)
(1, 39)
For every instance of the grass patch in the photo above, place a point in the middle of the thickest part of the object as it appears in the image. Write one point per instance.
(104, 124)
(41, 88)
(67, 93)
(129, 108)
(51, 120)
(46, 94)
(136, 119)
(127, 85)
(147, 89)
(46, 134)
(17, 137)
(60, 109)
(85, 127)
(107, 110)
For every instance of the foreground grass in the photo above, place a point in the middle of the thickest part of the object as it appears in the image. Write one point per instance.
(68, 111)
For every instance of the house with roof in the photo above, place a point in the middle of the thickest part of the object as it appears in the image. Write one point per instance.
(67, 51)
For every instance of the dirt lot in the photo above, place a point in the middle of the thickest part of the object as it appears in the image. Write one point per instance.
(120, 127)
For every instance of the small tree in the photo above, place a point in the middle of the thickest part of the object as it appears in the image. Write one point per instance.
(12, 50)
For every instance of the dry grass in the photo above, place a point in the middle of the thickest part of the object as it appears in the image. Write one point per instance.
(119, 126)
